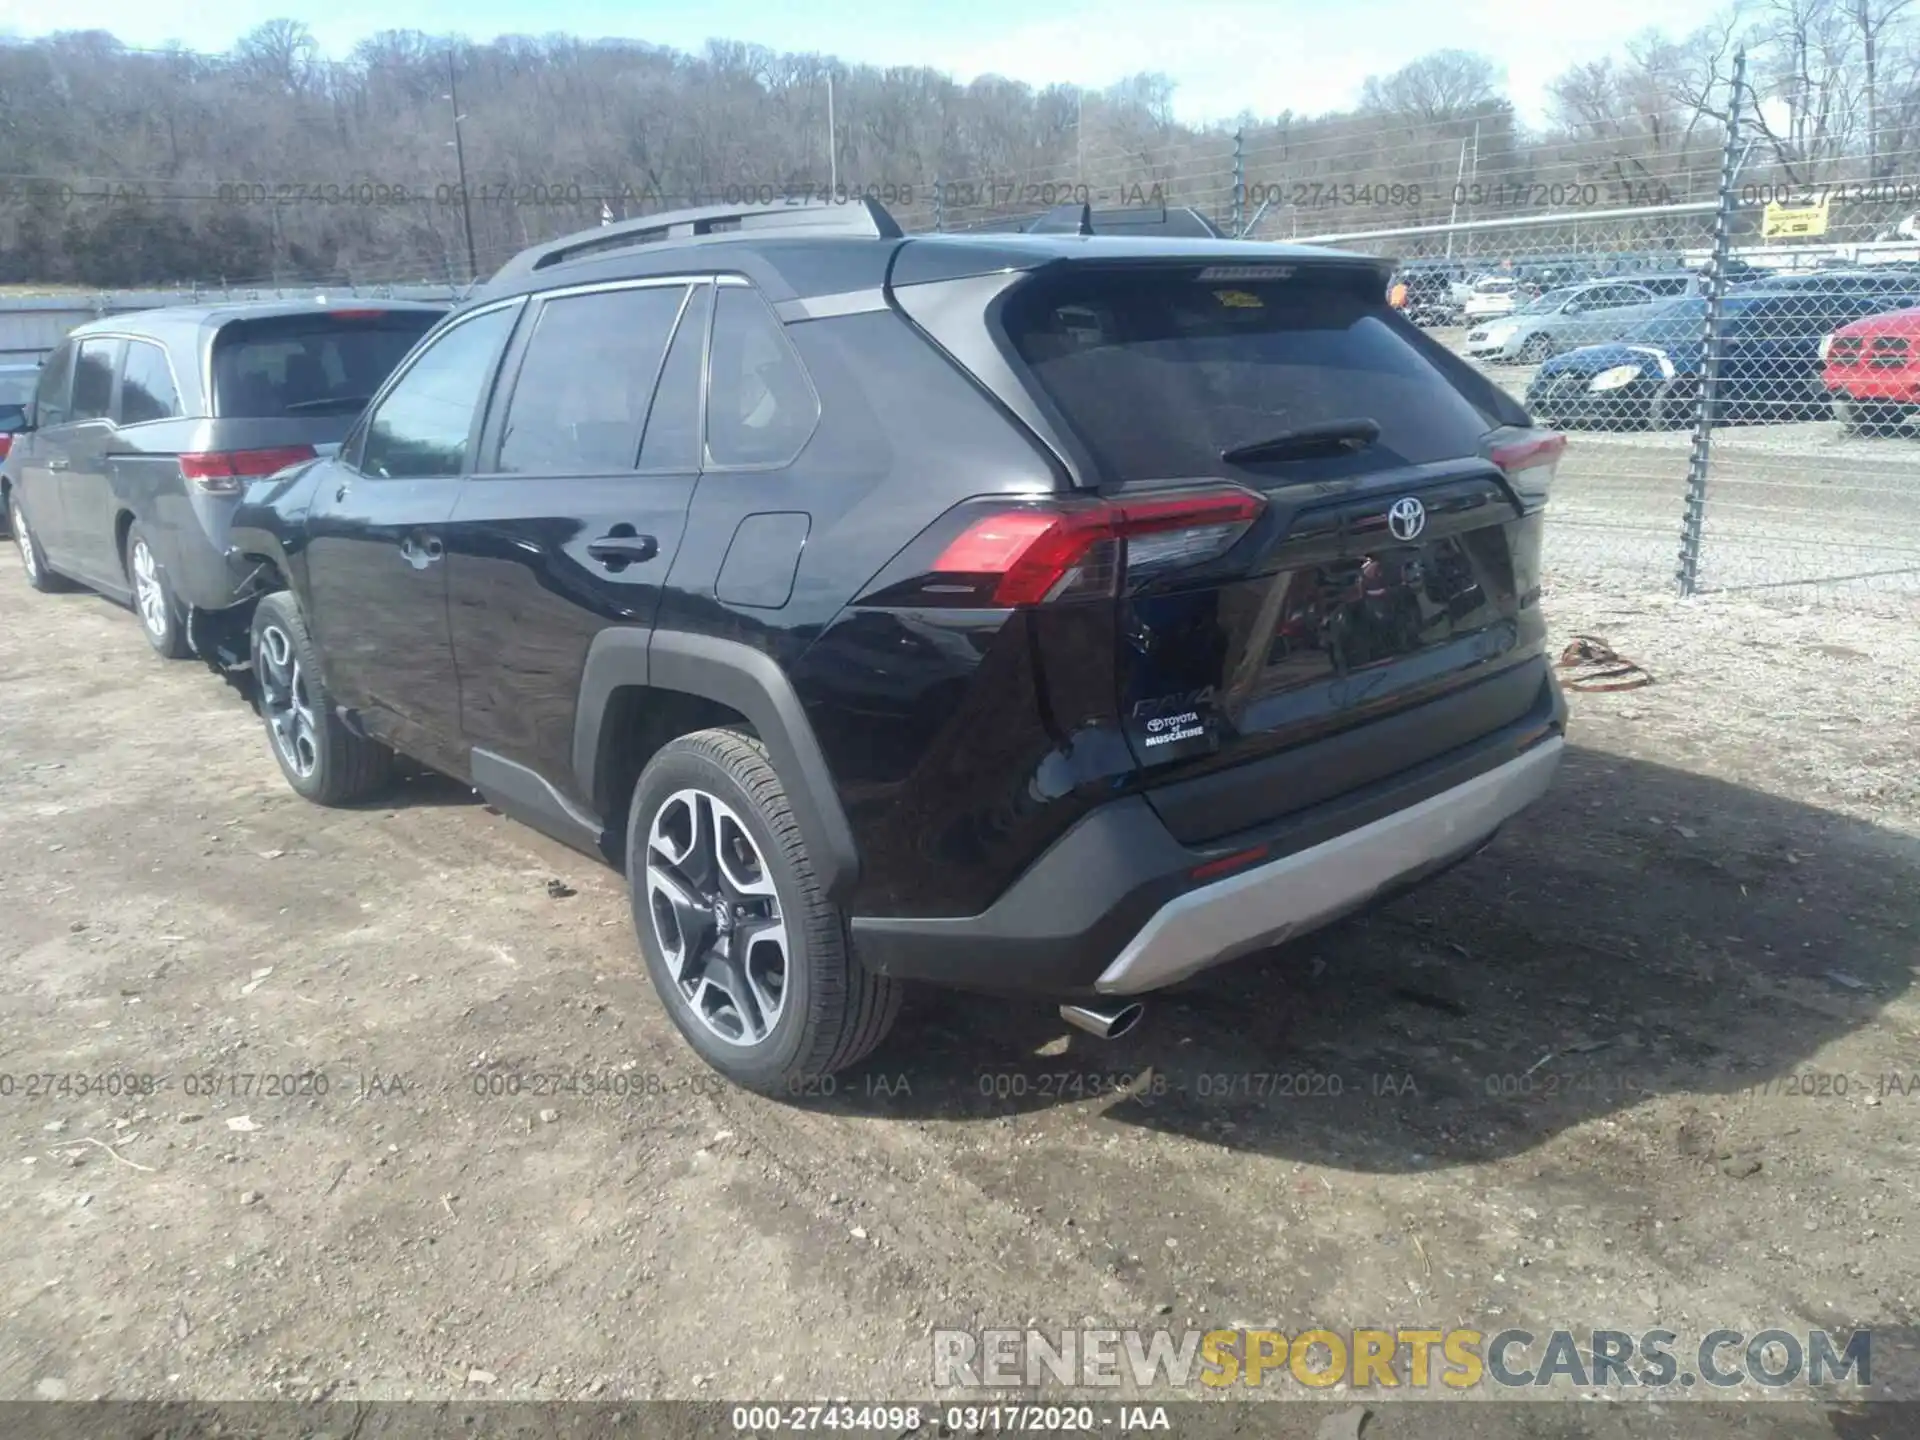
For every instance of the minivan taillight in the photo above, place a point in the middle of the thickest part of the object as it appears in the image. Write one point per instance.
(222, 472)
(1529, 458)
(1071, 551)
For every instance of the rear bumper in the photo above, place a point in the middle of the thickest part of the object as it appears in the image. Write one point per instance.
(1304, 891)
(1113, 906)
(190, 534)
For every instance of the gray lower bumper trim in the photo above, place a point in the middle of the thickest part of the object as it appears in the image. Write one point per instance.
(1299, 892)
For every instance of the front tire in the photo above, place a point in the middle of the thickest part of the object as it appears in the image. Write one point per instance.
(161, 615)
(33, 559)
(322, 759)
(1535, 349)
(747, 953)
(1865, 418)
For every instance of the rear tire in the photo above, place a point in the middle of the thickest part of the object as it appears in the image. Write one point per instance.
(32, 558)
(322, 759)
(747, 953)
(161, 616)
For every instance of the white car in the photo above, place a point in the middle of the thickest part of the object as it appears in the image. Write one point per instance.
(1494, 296)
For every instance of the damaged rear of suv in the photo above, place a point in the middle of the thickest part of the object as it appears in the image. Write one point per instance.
(1051, 615)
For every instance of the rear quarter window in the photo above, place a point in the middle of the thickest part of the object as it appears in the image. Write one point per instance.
(1158, 374)
(309, 366)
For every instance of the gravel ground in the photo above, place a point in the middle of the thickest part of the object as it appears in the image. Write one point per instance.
(1550, 1089)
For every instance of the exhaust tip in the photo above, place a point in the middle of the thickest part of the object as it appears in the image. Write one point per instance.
(1101, 1023)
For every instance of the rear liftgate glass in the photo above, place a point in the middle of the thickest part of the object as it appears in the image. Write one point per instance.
(1379, 546)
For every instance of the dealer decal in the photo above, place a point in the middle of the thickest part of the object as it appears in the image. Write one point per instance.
(1169, 719)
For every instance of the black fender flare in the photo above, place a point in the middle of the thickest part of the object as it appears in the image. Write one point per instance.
(744, 679)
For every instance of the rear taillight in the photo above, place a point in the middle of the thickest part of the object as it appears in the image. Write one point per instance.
(1074, 551)
(1529, 458)
(6, 444)
(224, 472)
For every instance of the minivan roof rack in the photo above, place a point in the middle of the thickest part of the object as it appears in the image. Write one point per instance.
(865, 216)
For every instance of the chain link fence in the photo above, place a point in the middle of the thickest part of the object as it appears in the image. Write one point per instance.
(1734, 350)
(1755, 436)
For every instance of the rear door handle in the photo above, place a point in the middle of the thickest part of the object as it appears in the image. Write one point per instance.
(59, 462)
(623, 549)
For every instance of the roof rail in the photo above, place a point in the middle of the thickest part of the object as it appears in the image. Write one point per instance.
(865, 216)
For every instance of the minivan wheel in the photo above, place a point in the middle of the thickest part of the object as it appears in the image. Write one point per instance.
(154, 600)
(744, 948)
(321, 758)
(32, 558)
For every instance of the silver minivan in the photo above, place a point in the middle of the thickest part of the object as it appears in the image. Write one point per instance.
(144, 430)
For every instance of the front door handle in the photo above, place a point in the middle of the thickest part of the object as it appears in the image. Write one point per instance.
(59, 462)
(422, 553)
(618, 549)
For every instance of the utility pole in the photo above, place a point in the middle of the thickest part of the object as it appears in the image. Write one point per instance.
(833, 145)
(1459, 186)
(1079, 134)
(1239, 184)
(460, 159)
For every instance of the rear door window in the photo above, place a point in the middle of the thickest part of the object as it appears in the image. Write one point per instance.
(672, 441)
(311, 365)
(146, 385)
(761, 408)
(1610, 297)
(1160, 373)
(50, 395)
(424, 426)
(585, 383)
(93, 378)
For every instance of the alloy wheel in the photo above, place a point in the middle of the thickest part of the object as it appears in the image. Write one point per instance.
(288, 706)
(716, 916)
(23, 537)
(147, 593)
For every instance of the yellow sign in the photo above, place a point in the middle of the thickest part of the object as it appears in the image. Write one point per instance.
(1792, 222)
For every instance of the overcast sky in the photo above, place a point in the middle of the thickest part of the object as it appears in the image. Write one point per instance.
(1225, 55)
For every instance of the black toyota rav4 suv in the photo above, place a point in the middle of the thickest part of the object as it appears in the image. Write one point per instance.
(1053, 615)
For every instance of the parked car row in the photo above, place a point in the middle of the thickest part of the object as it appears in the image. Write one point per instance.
(1445, 293)
(853, 591)
(1576, 315)
(1787, 353)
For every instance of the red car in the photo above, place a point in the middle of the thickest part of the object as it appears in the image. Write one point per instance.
(1871, 369)
(17, 383)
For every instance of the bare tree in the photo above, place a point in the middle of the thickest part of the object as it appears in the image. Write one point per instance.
(1440, 86)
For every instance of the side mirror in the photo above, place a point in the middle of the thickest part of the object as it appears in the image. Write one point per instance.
(1573, 307)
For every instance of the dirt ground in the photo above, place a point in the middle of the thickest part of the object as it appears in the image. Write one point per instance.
(1553, 1088)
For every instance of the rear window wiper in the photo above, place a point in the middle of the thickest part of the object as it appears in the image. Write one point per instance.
(327, 402)
(1330, 437)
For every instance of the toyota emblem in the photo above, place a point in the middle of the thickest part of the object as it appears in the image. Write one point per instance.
(1406, 518)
